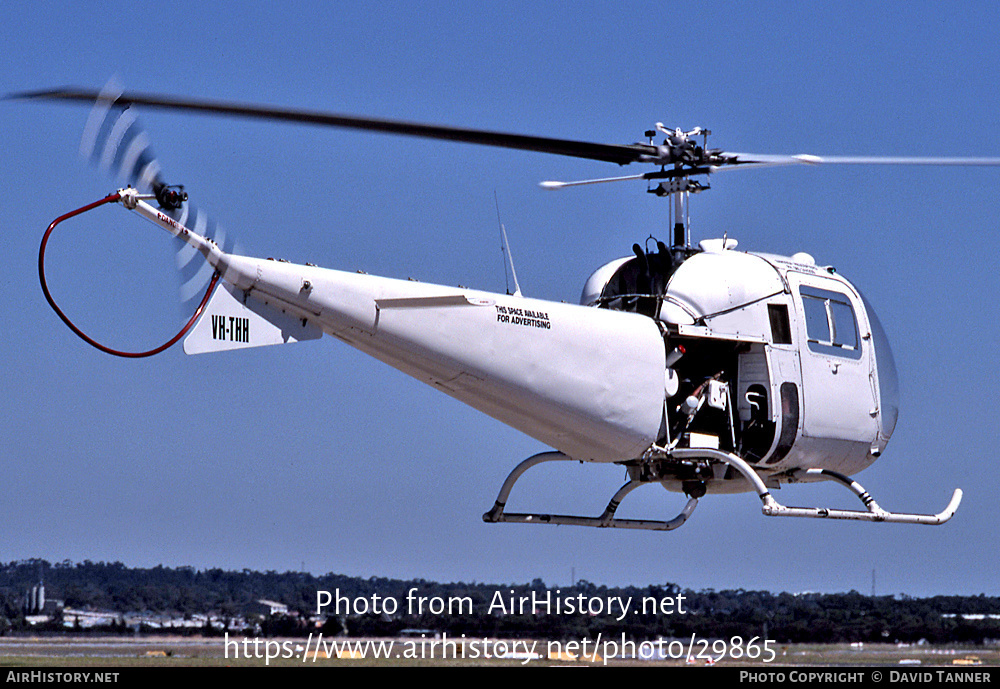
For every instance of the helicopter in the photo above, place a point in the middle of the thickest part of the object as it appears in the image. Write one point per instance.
(704, 369)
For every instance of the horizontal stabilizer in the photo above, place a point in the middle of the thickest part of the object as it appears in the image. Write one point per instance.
(228, 323)
(428, 302)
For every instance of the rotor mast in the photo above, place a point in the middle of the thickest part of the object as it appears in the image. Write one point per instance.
(682, 234)
(688, 159)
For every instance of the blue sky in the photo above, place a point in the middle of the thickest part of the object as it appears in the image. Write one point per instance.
(313, 455)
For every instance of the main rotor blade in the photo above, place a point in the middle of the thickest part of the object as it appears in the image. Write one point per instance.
(555, 184)
(766, 160)
(621, 154)
(613, 153)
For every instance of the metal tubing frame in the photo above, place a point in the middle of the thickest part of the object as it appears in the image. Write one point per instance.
(607, 518)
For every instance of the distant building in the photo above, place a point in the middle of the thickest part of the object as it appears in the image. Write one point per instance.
(34, 599)
(35, 603)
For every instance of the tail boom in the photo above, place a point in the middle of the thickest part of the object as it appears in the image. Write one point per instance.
(586, 381)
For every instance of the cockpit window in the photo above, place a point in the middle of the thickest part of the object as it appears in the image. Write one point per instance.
(817, 322)
(831, 325)
(845, 330)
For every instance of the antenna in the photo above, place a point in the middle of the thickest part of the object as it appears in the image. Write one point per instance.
(505, 248)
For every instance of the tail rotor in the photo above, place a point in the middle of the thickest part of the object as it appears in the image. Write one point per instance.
(114, 140)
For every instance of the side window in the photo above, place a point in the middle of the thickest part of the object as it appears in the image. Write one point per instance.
(781, 331)
(831, 325)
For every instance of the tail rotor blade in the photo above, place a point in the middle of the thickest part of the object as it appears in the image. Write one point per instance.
(114, 140)
(98, 116)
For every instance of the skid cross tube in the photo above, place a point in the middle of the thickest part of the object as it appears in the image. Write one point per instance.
(773, 508)
(606, 520)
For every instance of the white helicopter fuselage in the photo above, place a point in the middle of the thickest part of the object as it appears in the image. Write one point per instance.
(601, 381)
(704, 370)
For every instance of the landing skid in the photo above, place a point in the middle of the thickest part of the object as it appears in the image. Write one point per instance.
(606, 520)
(770, 506)
(773, 508)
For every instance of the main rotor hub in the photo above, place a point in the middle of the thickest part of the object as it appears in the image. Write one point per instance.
(680, 149)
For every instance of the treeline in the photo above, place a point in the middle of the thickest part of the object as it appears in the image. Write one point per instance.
(380, 606)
